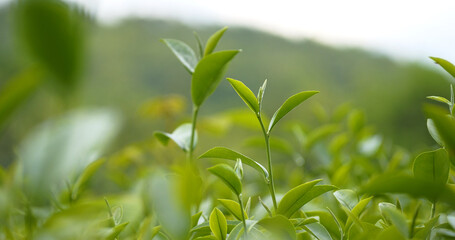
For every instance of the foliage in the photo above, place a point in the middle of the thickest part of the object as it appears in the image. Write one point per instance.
(338, 179)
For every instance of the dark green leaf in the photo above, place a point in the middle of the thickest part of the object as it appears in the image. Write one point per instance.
(213, 41)
(181, 136)
(288, 105)
(225, 153)
(228, 176)
(53, 35)
(246, 94)
(183, 52)
(218, 224)
(432, 166)
(208, 74)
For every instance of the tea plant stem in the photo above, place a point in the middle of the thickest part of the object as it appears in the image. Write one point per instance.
(193, 131)
(269, 162)
(243, 213)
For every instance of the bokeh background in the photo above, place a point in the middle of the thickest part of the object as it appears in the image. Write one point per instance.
(373, 56)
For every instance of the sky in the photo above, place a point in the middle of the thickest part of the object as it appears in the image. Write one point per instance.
(404, 29)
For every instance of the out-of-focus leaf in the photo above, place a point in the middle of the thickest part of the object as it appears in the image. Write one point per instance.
(115, 231)
(85, 176)
(246, 94)
(16, 90)
(228, 176)
(356, 121)
(218, 224)
(288, 105)
(449, 67)
(393, 215)
(181, 136)
(320, 133)
(279, 226)
(432, 166)
(276, 144)
(213, 41)
(434, 132)
(416, 187)
(169, 209)
(426, 230)
(233, 207)
(225, 153)
(66, 145)
(53, 35)
(208, 74)
(195, 219)
(347, 198)
(293, 200)
(200, 48)
(183, 52)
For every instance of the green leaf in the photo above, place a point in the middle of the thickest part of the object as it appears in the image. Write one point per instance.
(183, 52)
(228, 176)
(82, 180)
(195, 219)
(200, 49)
(246, 94)
(225, 153)
(181, 136)
(347, 198)
(399, 183)
(53, 34)
(117, 214)
(279, 226)
(293, 200)
(261, 92)
(357, 210)
(115, 231)
(14, 92)
(426, 230)
(233, 207)
(288, 105)
(434, 132)
(208, 74)
(218, 224)
(213, 41)
(238, 168)
(440, 99)
(393, 215)
(449, 67)
(432, 166)
(318, 231)
(253, 232)
(445, 126)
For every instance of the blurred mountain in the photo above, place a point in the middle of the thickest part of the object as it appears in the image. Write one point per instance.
(126, 65)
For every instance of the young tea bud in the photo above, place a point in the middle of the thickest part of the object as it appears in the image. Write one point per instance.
(238, 168)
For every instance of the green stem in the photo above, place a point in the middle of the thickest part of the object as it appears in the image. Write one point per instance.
(243, 213)
(193, 131)
(433, 209)
(269, 162)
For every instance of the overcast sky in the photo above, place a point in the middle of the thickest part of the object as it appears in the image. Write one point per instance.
(406, 29)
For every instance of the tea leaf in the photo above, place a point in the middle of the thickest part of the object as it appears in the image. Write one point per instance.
(228, 176)
(246, 94)
(347, 198)
(440, 99)
(293, 200)
(318, 231)
(85, 176)
(261, 94)
(183, 52)
(218, 224)
(434, 132)
(208, 74)
(213, 41)
(279, 226)
(181, 136)
(432, 166)
(449, 67)
(396, 217)
(225, 153)
(288, 105)
(233, 207)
